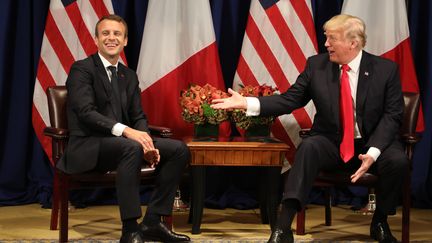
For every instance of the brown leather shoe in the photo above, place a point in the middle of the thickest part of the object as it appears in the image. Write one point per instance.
(280, 236)
(160, 232)
(131, 237)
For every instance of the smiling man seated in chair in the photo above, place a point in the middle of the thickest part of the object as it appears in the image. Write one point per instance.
(359, 109)
(108, 131)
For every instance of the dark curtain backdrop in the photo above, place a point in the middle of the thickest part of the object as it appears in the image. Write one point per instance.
(25, 173)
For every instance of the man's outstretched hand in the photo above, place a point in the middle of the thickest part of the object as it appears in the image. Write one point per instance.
(367, 161)
(236, 101)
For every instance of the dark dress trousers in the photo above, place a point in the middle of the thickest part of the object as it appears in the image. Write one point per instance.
(379, 110)
(91, 116)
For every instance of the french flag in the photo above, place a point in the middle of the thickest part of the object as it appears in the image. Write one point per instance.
(388, 36)
(178, 48)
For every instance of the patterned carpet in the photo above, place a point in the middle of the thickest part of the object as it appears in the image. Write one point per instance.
(30, 223)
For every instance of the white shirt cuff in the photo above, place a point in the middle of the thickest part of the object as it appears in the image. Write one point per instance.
(118, 129)
(253, 106)
(374, 152)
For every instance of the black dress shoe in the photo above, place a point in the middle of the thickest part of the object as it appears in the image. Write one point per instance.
(280, 236)
(160, 232)
(381, 232)
(131, 237)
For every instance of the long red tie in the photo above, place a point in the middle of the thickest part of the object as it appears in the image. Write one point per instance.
(346, 116)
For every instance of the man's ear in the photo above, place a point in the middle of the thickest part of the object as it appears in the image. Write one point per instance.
(126, 41)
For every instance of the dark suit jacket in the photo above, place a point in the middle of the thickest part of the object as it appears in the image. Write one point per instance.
(91, 113)
(379, 106)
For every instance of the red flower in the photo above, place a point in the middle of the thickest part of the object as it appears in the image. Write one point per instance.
(239, 116)
(195, 102)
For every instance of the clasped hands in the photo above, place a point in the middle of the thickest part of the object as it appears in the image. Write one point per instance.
(151, 154)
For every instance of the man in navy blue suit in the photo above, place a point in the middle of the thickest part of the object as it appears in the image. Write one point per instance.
(376, 104)
(108, 131)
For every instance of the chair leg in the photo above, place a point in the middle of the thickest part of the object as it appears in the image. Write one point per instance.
(406, 205)
(300, 230)
(328, 205)
(64, 209)
(55, 203)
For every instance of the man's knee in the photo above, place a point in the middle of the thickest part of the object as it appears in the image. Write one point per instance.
(132, 148)
(182, 151)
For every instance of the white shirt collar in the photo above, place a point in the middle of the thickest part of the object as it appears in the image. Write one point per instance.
(106, 63)
(355, 63)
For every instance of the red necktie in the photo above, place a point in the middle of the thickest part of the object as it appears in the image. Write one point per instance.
(346, 116)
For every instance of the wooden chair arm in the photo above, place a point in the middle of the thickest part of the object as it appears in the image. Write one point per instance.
(163, 132)
(57, 133)
(411, 138)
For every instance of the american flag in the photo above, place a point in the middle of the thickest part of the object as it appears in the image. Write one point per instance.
(68, 37)
(280, 36)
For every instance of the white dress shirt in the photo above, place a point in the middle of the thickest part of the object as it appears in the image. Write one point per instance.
(118, 128)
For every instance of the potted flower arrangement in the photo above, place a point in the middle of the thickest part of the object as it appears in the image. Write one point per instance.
(254, 125)
(195, 103)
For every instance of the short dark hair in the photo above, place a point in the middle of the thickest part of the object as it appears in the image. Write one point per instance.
(112, 17)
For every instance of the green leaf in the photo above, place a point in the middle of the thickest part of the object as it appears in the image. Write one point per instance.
(208, 111)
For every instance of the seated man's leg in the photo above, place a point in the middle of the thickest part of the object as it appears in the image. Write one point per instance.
(312, 155)
(315, 153)
(174, 155)
(391, 167)
(125, 156)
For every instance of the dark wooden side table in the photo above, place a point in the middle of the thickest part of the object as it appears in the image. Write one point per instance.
(263, 152)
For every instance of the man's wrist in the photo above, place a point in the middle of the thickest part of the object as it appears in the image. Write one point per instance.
(374, 153)
(253, 106)
(118, 129)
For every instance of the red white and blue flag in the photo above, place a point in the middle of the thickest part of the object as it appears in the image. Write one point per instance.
(280, 36)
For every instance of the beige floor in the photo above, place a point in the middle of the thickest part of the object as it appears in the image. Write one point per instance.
(30, 222)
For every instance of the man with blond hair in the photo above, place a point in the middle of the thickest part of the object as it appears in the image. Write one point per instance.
(359, 104)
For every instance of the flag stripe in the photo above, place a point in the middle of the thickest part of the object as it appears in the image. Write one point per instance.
(302, 9)
(245, 73)
(60, 48)
(44, 74)
(262, 48)
(44, 140)
(84, 36)
(286, 37)
(100, 9)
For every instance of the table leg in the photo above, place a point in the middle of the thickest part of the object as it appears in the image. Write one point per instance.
(270, 181)
(198, 179)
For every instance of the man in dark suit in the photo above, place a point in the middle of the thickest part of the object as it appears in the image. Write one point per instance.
(364, 122)
(108, 131)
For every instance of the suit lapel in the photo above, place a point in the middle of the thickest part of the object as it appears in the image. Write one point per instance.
(122, 86)
(365, 74)
(103, 76)
(333, 84)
